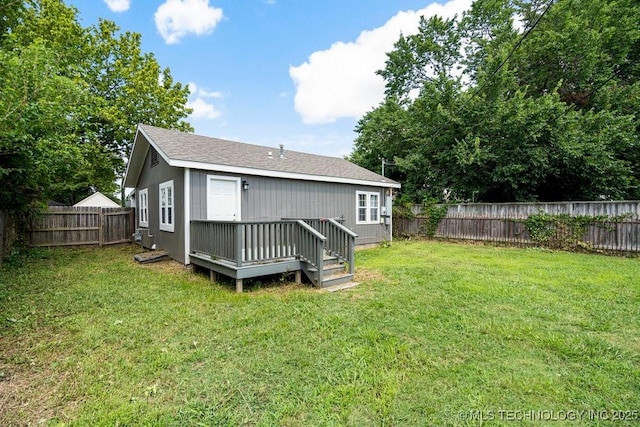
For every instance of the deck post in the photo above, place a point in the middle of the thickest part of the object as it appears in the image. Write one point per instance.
(352, 254)
(320, 261)
(239, 286)
(213, 276)
(298, 276)
(239, 244)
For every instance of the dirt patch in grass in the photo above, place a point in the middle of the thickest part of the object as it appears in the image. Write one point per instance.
(165, 266)
(31, 392)
(276, 288)
(364, 275)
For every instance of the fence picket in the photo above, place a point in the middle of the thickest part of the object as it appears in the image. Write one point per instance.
(77, 226)
(499, 222)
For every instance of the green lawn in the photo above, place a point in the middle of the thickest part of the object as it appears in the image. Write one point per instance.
(435, 334)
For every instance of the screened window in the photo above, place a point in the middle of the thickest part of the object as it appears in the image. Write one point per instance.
(143, 208)
(373, 207)
(368, 207)
(167, 211)
(362, 207)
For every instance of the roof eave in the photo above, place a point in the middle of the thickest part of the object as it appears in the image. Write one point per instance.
(279, 174)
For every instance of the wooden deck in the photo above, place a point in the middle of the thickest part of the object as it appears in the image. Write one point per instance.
(248, 249)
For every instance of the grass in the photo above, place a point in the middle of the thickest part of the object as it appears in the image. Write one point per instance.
(435, 334)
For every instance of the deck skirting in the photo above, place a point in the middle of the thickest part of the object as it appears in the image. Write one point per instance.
(247, 271)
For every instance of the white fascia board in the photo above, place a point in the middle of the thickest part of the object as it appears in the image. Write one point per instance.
(153, 144)
(278, 174)
(134, 160)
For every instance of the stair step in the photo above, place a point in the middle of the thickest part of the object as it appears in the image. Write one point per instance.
(341, 287)
(328, 268)
(331, 260)
(336, 279)
(332, 269)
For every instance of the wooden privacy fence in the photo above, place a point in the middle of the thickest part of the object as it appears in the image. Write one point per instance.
(74, 226)
(504, 222)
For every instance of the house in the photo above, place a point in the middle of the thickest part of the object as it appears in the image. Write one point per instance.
(245, 210)
(97, 199)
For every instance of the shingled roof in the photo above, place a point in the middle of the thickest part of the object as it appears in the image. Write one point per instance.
(201, 152)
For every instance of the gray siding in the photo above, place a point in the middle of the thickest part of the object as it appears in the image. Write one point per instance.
(276, 198)
(150, 178)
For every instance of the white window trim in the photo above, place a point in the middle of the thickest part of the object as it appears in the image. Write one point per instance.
(143, 208)
(167, 226)
(368, 219)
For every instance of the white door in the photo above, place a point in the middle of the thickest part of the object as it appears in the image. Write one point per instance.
(223, 198)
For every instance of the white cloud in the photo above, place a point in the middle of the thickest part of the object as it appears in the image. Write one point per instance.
(195, 90)
(341, 81)
(207, 94)
(202, 109)
(118, 5)
(177, 18)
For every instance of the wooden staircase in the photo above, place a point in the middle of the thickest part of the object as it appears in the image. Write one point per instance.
(334, 272)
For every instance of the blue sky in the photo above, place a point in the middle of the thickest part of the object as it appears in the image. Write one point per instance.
(270, 72)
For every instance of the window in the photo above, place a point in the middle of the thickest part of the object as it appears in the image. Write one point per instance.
(373, 207)
(143, 208)
(167, 213)
(368, 206)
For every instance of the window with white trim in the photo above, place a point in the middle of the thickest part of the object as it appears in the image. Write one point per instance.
(368, 207)
(167, 212)
(143, 208)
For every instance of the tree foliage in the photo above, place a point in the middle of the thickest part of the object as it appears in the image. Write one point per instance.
(517, 100)
(71, 100)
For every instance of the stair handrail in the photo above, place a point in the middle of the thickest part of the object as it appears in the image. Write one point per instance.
(351, 244)
(315, 256)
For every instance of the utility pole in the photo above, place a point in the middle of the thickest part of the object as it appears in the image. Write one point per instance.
(384, 162)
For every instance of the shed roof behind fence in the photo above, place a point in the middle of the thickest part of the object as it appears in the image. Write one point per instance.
(97, 199)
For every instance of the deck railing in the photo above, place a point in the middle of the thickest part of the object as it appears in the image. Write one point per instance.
(246, 242)
(311, 247)
(252, 242)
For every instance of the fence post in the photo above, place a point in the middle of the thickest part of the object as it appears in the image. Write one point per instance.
(132, 223)
(101, 229)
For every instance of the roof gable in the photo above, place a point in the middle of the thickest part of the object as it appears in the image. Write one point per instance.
(181, 149)
(97, 199)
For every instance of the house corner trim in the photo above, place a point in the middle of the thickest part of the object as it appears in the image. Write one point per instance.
(187, 215)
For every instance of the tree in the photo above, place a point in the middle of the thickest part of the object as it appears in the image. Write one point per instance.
(71, 100)
(36, 130)
(133, 89)
(548, 112)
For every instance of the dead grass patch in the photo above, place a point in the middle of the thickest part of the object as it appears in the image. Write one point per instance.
(31, 392)
(365, 275)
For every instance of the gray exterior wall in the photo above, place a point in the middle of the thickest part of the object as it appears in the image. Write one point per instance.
(151, 178)
(277, 198)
